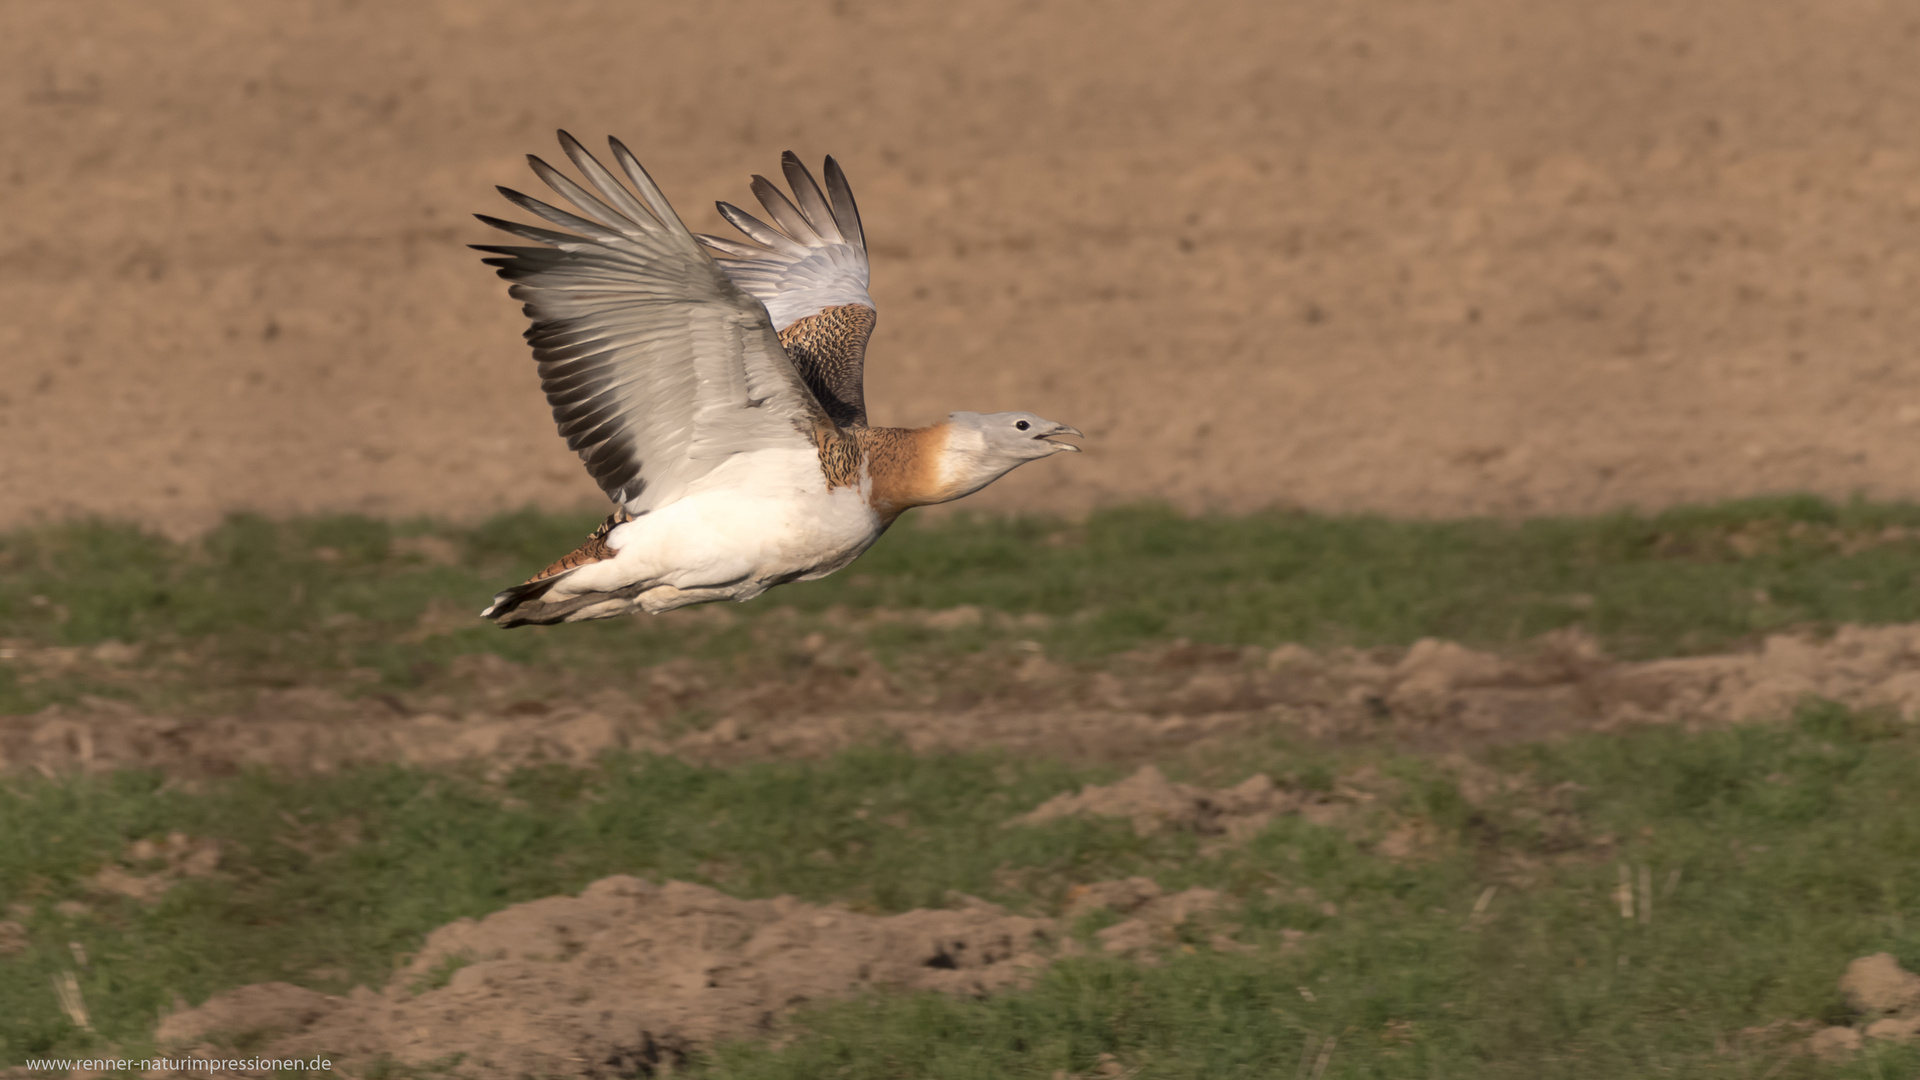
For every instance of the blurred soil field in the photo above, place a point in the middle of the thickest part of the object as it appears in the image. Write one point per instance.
(1480, 257)
(1578, 796)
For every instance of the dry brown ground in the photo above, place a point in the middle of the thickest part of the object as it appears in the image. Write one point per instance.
(1426, 258)
(1436, 697)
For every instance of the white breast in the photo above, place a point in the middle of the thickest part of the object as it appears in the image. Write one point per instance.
(759, 519)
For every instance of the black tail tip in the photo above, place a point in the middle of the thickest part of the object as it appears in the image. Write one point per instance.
(506, 609)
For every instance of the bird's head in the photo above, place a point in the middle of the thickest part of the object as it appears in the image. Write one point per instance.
(1008, 438)
(982, 447)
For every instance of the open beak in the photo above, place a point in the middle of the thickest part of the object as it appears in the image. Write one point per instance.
(1061, 429)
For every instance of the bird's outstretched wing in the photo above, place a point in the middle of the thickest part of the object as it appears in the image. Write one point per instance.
(810, 269)
(657, 366)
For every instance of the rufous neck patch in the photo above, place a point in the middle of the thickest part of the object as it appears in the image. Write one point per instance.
(903, 466)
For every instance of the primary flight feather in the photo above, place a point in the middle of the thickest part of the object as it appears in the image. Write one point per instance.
(718, 400)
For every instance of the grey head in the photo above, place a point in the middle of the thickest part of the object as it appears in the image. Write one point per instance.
(983, 447)
(1010, 437)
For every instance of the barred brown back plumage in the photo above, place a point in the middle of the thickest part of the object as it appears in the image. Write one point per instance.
(829, 351)
(592, 550)
(840, 457)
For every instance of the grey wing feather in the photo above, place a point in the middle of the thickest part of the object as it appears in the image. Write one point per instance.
(813, 256)
(759, 232)
(656, 365)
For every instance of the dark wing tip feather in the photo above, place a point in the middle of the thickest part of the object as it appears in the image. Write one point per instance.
(806, 192)
(790, 218)
(845, 211)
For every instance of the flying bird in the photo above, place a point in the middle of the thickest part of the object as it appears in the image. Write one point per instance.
(713, 389)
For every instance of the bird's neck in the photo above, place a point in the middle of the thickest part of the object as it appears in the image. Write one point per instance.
(909, 467)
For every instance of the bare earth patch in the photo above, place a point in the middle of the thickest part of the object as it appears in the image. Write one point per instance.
(1434, 696)
(153, 866)
(1153, 916)
(625, 978)
(1357, 804)
(1152, 802)
(1887, 999)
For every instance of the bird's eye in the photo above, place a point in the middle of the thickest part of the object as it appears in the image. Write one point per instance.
(1021, 425)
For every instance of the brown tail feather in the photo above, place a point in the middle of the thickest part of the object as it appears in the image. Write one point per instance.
(521, 604)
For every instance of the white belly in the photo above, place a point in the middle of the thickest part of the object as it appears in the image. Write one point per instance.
(759, 520)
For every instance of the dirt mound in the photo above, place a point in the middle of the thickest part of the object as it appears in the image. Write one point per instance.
(319, 731)
(1356, 804)
(1878, 984)
(1439, 692)
(625, 978)
(154, 866)
(1154, 918)
(1433, 696)
(1886, 996)
(630, 977)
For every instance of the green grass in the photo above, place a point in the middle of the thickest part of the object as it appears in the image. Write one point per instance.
(1797, 848)
(353, 600)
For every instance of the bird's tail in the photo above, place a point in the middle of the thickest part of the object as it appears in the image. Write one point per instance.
(520, 604)
(527, 605)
